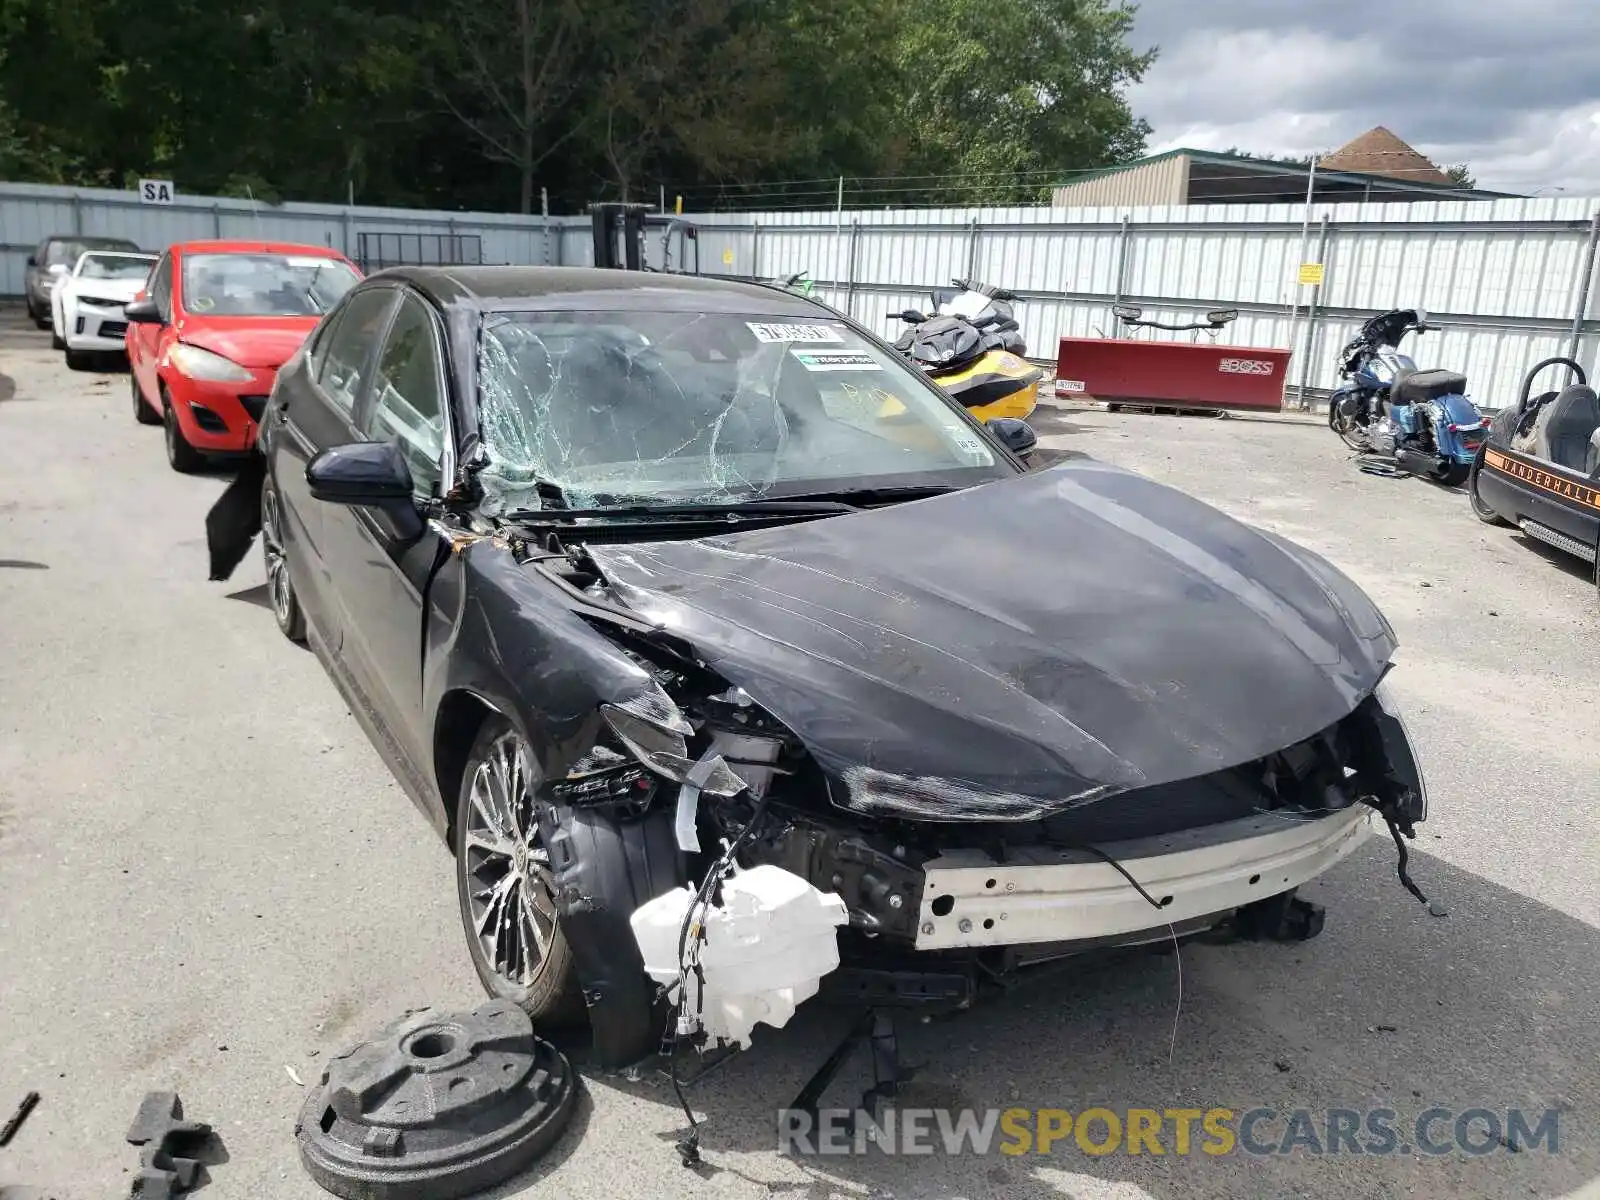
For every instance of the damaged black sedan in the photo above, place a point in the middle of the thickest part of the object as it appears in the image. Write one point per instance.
(723, 648)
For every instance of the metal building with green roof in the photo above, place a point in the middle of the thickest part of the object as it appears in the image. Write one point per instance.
(1375, 166)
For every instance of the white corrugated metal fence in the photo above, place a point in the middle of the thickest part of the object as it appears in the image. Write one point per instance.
(1510, 281)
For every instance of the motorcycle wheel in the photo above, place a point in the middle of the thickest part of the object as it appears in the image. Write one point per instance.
(1453, 474)
(1347, 430)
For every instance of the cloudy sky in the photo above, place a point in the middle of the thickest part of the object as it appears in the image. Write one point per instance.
(1512, 89)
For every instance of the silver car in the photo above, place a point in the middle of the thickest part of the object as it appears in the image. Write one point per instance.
(51, 260)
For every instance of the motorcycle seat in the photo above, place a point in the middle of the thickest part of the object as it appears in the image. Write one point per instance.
(1566, 427)
(1418, 387)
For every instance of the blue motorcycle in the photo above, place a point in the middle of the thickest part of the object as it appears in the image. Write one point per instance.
(1420, 422)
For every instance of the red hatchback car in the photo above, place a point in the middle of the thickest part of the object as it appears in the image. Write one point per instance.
(207, 335)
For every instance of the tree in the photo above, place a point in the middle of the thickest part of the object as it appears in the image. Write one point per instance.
(698, 82)
(1461, 175)
(996, 89)
(507, 70)
(833, 82)
(473, 103)
(1288, 160)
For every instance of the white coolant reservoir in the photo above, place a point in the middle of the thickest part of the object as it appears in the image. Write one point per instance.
(765, 950)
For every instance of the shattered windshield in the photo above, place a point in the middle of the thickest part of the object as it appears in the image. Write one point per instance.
(264, 285)
(642, 407)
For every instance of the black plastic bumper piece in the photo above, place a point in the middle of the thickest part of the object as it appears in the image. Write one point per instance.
(889, 988)
(1281, 918)
(438, 1105)
(175, 1151)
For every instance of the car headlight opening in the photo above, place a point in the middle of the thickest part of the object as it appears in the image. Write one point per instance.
(206, 367)
(654, 730)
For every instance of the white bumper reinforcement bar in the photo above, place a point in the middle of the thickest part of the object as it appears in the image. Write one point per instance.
(1044, 895)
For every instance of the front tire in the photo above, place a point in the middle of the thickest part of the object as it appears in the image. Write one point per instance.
(504, 886)
(280, 588)
(57, 343)
(1479, 509)
(1346, 426)
(142, 412)
(181, 456)
(42, 320)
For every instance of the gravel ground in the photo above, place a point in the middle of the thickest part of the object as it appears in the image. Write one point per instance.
(207, 878)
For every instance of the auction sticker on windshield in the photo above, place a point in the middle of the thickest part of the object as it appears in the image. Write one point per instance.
(768, 331)
(815, 360)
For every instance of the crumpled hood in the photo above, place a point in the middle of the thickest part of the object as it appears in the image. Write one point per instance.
(258, 342)
(1020, 647)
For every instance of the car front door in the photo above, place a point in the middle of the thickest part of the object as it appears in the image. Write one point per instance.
(316, 404)
(144, 341)
(380, 566)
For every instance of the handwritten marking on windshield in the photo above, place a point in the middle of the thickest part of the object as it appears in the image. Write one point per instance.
(771, 331)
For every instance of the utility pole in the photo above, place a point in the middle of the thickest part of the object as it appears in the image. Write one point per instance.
(1305, 240)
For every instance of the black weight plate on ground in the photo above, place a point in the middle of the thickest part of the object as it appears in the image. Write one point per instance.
(438, 1105)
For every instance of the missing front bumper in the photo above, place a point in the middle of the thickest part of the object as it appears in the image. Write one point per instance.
(970, 901)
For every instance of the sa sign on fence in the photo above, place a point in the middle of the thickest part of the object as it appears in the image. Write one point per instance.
(156, 191)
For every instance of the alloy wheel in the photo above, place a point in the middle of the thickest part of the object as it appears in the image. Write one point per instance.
(507, 871)
(279, 588)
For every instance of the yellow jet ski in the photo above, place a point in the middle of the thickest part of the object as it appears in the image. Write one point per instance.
(972, 347)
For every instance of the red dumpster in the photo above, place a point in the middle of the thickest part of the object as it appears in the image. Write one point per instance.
(1176, 374)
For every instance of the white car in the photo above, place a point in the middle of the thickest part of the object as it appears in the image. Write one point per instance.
(86, 306)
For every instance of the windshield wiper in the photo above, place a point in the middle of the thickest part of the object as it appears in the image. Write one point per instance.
(859, 496)
(732, 511)
(311, 287)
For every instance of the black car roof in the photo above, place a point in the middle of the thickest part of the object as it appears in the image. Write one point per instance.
(510, 288)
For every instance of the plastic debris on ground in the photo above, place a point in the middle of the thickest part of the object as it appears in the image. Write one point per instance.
(437, 1105)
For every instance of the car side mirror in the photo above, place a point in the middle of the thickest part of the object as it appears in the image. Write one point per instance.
(142, 311)
(362, 474)
(33, 260)
(1018, 436)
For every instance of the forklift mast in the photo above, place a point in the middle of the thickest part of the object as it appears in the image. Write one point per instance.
(610, 219)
